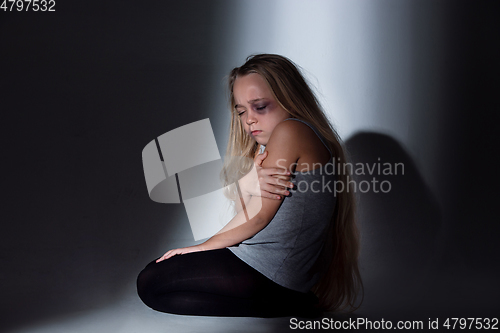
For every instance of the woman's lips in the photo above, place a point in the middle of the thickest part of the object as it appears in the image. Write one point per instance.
(256, 132)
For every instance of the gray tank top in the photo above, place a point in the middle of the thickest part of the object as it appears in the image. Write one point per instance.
(287, 249)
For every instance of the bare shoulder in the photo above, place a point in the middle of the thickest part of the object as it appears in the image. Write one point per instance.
(291, 125)
(299, 141)
(288, 136)
(296, 133)
(289, 130)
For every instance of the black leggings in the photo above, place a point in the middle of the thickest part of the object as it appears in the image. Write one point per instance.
(218, 283)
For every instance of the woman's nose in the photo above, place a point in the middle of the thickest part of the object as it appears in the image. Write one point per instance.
(250, 118)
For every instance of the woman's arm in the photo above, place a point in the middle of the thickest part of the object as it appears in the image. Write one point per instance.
(244, 225)
(243, 199)
(284, 149)
(269, 182)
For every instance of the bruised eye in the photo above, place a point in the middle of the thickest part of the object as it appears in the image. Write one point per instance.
(260, 108)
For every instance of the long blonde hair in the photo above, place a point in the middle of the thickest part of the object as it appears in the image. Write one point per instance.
(339, 287)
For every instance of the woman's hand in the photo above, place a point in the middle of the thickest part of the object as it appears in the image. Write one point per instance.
(270, 183)
(183, 250)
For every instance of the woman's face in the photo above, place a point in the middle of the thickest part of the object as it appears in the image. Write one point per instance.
(257, 108)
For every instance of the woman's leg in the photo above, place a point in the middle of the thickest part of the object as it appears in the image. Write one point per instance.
(216, 283)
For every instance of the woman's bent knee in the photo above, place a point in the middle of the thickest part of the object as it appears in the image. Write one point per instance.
(147, 281)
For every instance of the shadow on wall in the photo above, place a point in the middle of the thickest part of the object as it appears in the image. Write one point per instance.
(400, 225)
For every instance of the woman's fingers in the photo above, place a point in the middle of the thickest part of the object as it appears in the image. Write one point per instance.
(182, 250)
(260, 158)
(279, 181)
(273, 182)
(284, 182)
(274, 191)
(161, 258)
(281, 172)
(167, 255)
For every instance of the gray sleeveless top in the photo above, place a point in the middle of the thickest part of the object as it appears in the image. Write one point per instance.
(287, 249)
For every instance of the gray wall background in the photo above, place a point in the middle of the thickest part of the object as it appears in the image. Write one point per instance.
(85, 88)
